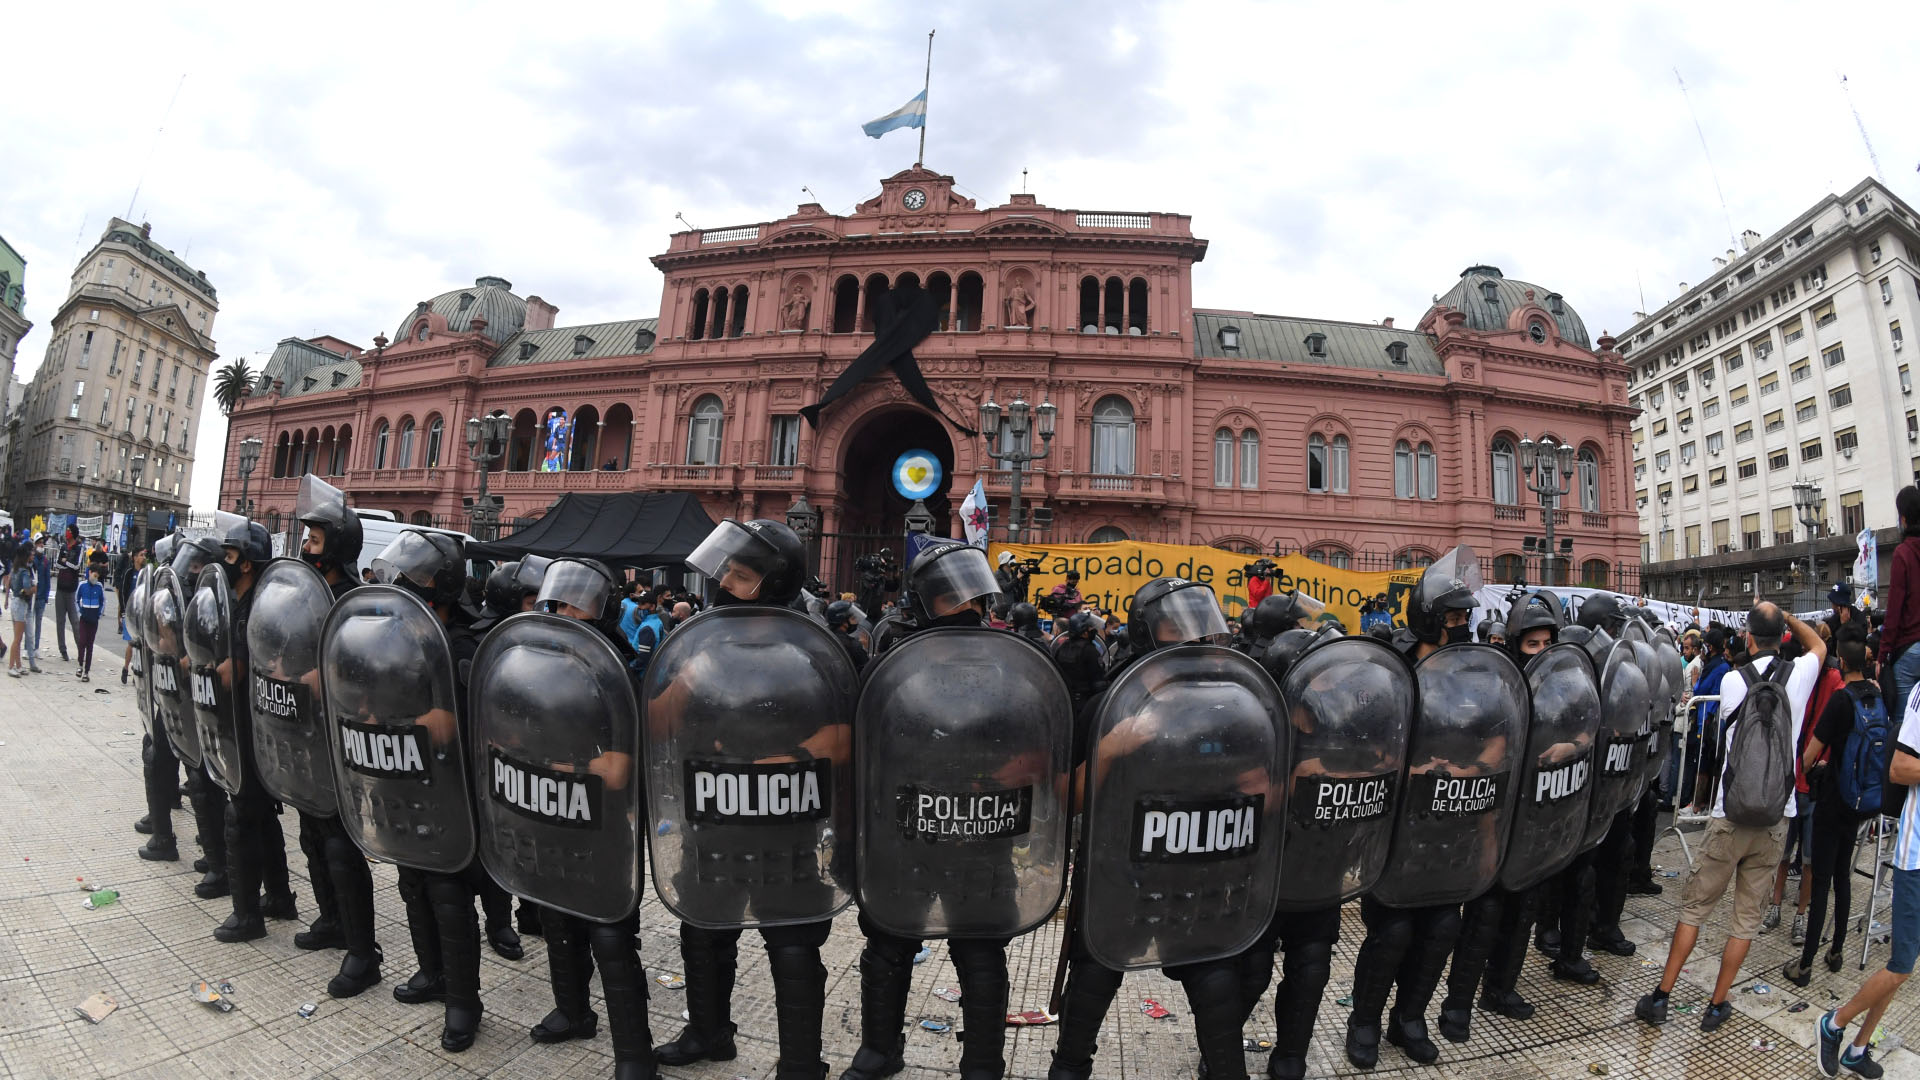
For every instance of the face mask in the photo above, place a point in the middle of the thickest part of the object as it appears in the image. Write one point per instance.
(1458, 634)
(318, 562)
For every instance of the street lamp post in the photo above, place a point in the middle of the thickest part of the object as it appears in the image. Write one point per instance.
(138, 530)
(804, 520)
(1547, 469)
(1806, 504)
(1019, 413)
(249, 457)
(486, 444)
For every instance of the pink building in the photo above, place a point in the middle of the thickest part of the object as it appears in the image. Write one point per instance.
(1363, 445)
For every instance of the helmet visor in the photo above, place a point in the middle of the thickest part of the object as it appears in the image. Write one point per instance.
(411, 556)
(532, 571)
(1451, 582)
(192, 554)
(1307, 610)
(318, 499)
(1184, 615)
(575, 583)
(736, 559)
(954, 580)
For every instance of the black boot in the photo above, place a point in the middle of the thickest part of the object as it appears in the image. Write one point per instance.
(886, 975)
(799, 1005)
(625, 981)
(280, 906)
(1213, 998)
(356, 975)
(1409, 1033)
(243, 871)
(527, 917)
(429, 981)
(1363, 1042)
(1479, 923)
(460, 959)
(144, 826)
(506, 944)
(710, 958)
(982, 970)
(209, 815)
(1389, 937)
(160, 849)
(352, 886)
(497, 904)
(1508, 954)
(1296, 1002)
(325, 933)
(270, 848)
(570, 971)
(1083, 1011)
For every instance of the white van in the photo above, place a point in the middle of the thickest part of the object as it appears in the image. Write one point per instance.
(378, 529)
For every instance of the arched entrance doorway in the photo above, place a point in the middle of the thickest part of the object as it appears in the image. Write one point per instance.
(872, 513)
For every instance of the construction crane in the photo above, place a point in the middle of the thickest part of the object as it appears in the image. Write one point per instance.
(1862, 125)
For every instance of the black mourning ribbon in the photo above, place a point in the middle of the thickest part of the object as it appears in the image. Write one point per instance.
(903, 316)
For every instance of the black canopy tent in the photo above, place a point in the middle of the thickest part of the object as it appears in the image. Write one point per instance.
(638, 529)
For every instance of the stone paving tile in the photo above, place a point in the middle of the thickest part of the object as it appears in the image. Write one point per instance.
(70, 778)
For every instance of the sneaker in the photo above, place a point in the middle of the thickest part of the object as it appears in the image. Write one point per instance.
(1798, 935)
(1715, 1014)
(123, 674)
(1863, 1064)
(1772, 921)
(1826, 1044)
(1652, 1008)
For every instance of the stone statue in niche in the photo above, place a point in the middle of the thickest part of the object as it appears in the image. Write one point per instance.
(793, 313)
(1020, 304)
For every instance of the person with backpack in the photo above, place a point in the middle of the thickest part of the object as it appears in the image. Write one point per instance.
(1763, 702)
(1846, 764)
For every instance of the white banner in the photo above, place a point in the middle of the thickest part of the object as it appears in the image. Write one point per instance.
(89, 527)
(1494, 600)
(1866, 563)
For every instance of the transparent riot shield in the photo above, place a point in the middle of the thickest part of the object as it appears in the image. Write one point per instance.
(169, 674)
(1462, 764)
(392, 715)
(1623, 710)
(1186, 784)
(211, 672)
(1557, 774)
(749, 753)
(291, 747)
(965, 741)
(1350, 706)
(139, 605)
(556, 752)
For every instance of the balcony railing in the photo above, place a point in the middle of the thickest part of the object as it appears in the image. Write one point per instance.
(1108, 486)
(580, 480)
(1509, 513)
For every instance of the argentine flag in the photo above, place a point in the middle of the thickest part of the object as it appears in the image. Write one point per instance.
(912, 114)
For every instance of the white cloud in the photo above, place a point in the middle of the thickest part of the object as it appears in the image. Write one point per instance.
(330, 166)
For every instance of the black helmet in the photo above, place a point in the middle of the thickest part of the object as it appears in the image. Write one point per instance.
(762, 547)
(1269, 618)
(1602, 611)
(193, 553)
(1288, 646)
(502, 596)
(321, 504)
(251, 540)
(428, 564)
(1084, 624)
(839, 613)
(1532, 611)
(1447, 585)
(1174, 611)
(163, 550)
(1023, 616)
(1496, 629)
(945, 578)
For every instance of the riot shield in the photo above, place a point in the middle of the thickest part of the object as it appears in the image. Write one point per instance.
(1351, 704)
(1637, 630)
(290, 743)
(556, 750)
(210, 673)
(1623, 710)
(1463, 761)
(1651, 755)
(1556, 778)
(749, 753)
(965, 743)
(387, 683)
(139, 605)
(169, 676)
(1186, 780)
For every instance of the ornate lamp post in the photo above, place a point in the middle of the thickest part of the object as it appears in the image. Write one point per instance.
(1807, 505)
(1547, 469)
(138, 532)
(1021, 418)
(804, 520)
(249, 457)
(486, 444)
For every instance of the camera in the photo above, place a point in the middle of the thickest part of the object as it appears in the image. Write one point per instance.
(879, 562)
(1031, 566)
(1054, 604)
(1263, 568)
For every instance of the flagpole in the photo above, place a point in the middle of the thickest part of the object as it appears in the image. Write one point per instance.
(927, 84)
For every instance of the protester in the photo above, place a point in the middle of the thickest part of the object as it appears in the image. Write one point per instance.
(1799, 849)
(1902, 627)
(67, 565)
(91, 598)
(1836, 822)
(1703, 735)
(43, 588)
(21, 587)
(124, 589)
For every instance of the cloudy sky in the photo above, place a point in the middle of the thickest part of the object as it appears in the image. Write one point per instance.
(330, 165)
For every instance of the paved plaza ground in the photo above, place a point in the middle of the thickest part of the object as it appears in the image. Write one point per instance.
(70, 791)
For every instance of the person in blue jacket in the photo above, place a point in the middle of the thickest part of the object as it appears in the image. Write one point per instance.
(1703, 742)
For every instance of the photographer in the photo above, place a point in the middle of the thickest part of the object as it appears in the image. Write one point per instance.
(879, 578)
(1259, 580)
(1064, 599)
(1015, 577)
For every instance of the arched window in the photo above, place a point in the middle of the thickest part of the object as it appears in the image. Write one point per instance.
(704, 430)
(1137, 306)
(1586, 473)
(1412, 559)
(718, 329)
(381, 436)
(1223, 458)
(404, 458)
(1249, 458)
(940, 287)
(876, 284)
(697, 324)
(1403, 479)
(1089, 305)
(1113, 436)
(280, 447)
(1339, 558)
(1116, 306)
(846, 304)
(1316, 462)
(436, 427)
(1337, 465)
(520, 443)
(294, 453)
(1505, 487)
(1593, 573)
(1429, 467)
(583, 455)
(969, 297)
(1107, 534)
(738, 325)
(616, 439)
(422, 517)
(342, 446)
(1508, 569)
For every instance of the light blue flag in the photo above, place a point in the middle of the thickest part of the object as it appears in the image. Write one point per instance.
(912, 114)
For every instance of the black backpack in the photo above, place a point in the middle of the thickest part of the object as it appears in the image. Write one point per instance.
(1760, 772)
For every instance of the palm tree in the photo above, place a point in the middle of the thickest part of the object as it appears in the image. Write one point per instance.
(231, 383)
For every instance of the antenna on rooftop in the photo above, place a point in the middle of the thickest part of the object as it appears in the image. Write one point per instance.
(1023, 180)
(1862, 125)
(1708, 154)
(155, 145)
(684, 221)
(810, 193)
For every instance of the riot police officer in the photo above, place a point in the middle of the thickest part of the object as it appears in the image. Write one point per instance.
(762, 564)
(1076, 652)
(845, 624)
(160, 768)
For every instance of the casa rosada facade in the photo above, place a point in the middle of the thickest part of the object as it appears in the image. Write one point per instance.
(1368, 446)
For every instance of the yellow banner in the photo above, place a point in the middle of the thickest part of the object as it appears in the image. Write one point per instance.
(1111, 573)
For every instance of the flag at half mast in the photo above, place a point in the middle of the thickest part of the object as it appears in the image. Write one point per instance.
(911, 115)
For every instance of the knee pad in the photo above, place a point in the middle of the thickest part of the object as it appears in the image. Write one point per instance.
(1310, 963)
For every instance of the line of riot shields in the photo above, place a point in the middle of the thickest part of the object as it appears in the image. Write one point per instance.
(766, 782)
